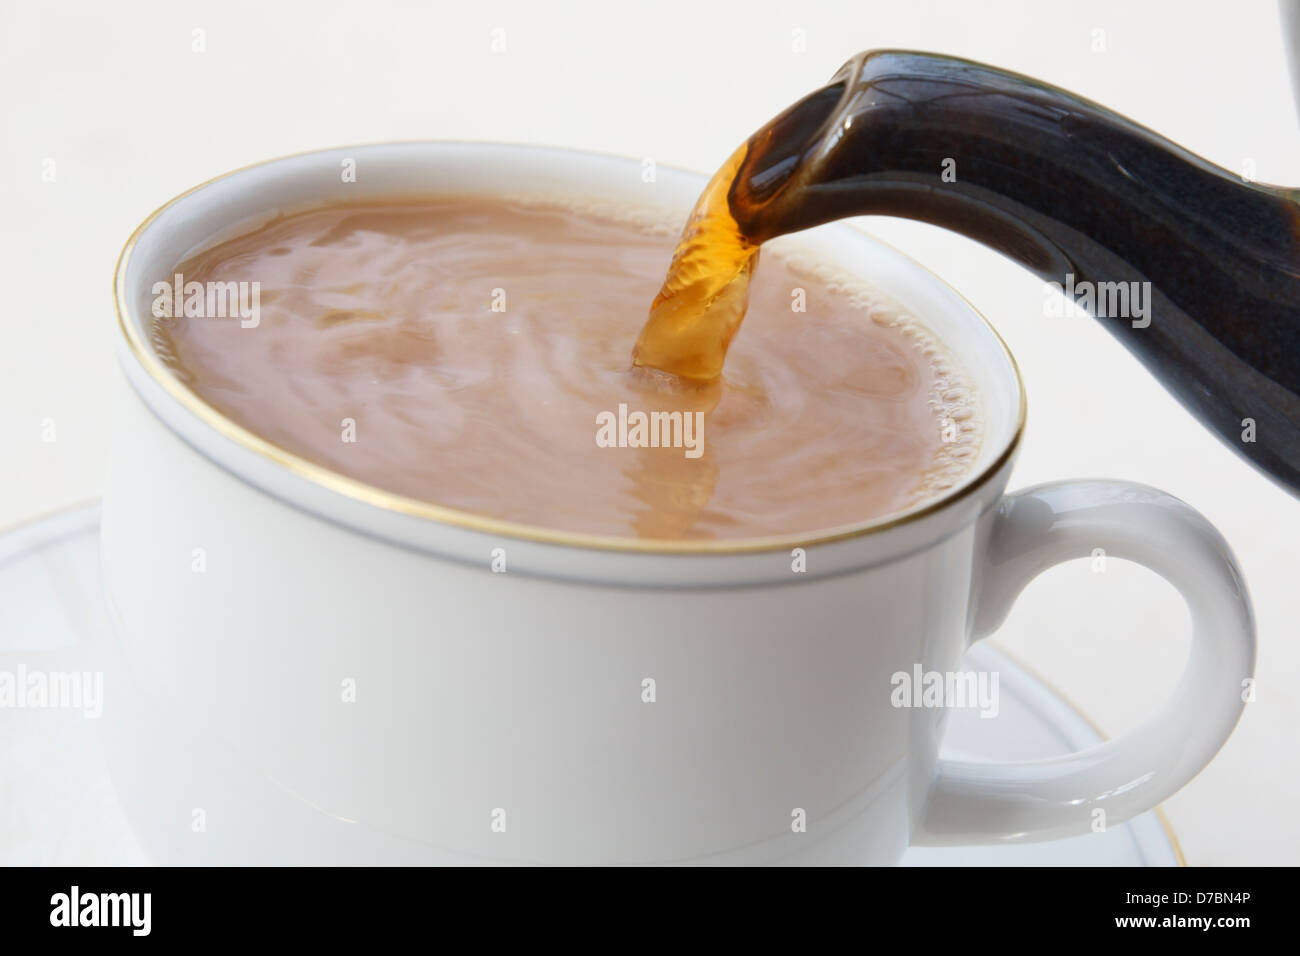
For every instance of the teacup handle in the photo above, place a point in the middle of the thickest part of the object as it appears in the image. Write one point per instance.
(1048, 799)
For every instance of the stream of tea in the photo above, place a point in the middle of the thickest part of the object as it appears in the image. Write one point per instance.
(705, 295)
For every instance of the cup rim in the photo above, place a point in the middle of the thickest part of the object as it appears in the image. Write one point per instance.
(365, 493)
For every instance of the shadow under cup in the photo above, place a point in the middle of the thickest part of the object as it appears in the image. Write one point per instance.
(348, 680)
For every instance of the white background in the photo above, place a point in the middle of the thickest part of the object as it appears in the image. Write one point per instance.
(131, 115)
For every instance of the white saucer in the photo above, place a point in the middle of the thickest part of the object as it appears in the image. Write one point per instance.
(59, 806)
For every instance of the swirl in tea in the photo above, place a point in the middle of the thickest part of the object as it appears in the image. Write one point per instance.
(472, 353)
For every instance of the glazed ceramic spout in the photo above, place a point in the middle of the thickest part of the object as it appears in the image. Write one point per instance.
(1194, 268)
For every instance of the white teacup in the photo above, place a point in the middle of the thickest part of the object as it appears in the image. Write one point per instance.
(315, 670)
